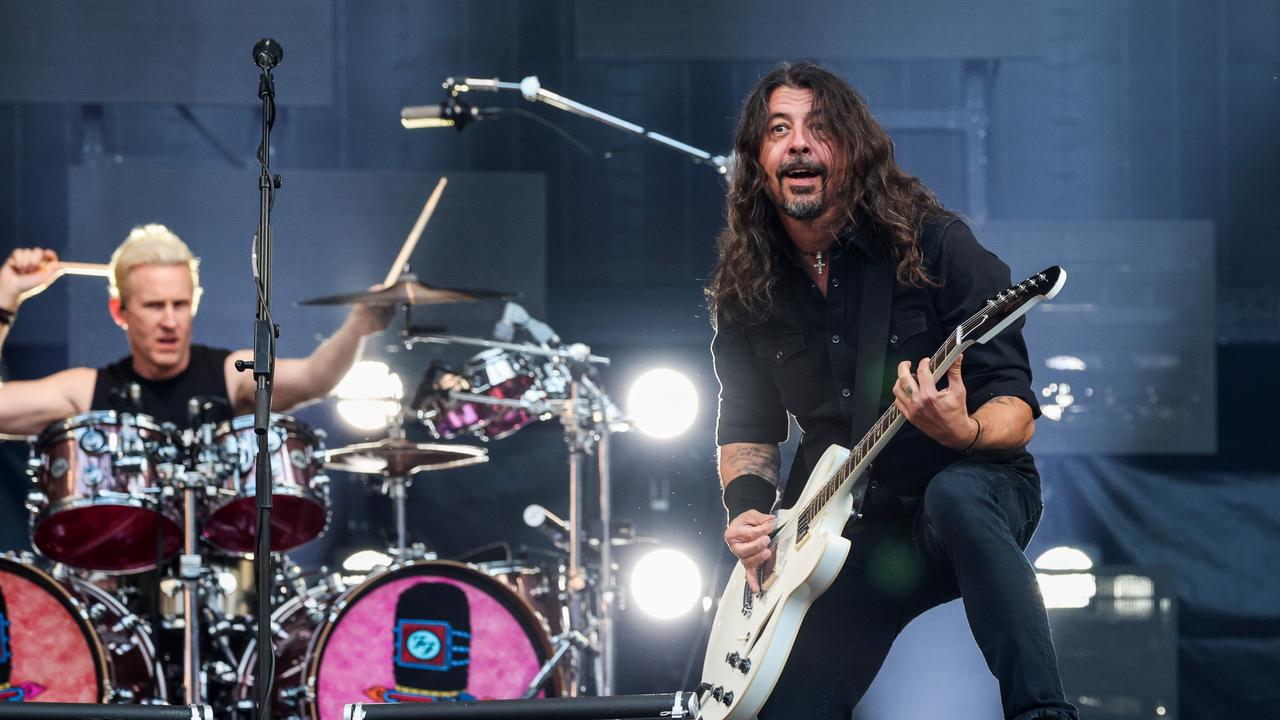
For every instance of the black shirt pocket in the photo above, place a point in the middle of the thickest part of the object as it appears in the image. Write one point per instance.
(778, 348)
(904, 326)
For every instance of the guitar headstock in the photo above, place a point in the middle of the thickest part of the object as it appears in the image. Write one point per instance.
(1011, 304)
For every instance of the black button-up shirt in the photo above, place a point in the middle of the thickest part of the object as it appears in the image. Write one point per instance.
(800, 359)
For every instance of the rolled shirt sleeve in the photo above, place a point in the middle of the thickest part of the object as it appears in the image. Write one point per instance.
(750, 406)
(970, 275)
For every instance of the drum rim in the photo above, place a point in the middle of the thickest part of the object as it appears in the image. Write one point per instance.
(76, 608)
(89, 418)
(319, 639)
(240, 423)
(143, 639)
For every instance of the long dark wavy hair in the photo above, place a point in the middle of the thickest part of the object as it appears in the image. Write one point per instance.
(874, 191)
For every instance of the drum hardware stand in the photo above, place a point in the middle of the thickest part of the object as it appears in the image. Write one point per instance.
(190, 566)
(563, 642)
(396, 487)
(587, 417)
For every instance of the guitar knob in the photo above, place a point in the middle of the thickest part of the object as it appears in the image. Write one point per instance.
(745, 665)
(717, 692)
(733, 659)
(728, 698)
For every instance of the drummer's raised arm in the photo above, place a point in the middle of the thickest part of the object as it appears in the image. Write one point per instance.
(28, 406)
(302, 380)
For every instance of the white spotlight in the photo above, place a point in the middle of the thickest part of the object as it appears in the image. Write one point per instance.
(369, 395)
(1063, 588)
(666, 584)
(365, 561)
(662, 403)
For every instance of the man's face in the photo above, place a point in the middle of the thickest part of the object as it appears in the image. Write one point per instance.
(797, 156)
(156, 317)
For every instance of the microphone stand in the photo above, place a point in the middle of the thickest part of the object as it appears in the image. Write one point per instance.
(266, 55)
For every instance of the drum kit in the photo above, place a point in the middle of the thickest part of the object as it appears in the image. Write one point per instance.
(117, 494)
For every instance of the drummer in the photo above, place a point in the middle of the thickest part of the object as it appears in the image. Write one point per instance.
(154, 294)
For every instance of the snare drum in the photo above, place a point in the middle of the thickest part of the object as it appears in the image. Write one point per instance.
(429, 631)
(70, 642)
(299, 488)
(502, 375)
(99, 503)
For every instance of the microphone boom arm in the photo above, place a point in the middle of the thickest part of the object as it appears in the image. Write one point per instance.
(533, 91)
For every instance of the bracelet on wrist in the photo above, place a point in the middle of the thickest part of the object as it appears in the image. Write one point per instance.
(7, 316)
(748, 492)
(976, 435)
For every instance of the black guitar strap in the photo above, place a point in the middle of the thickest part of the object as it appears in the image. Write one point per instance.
(873, 337)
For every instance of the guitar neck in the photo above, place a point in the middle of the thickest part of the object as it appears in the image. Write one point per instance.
(853, 470)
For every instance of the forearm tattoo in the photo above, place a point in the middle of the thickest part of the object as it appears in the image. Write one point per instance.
(743, 458)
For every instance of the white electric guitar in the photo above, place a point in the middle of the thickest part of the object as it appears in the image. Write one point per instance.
(753, 632)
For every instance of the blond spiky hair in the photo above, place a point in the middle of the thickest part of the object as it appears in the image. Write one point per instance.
(152, 244)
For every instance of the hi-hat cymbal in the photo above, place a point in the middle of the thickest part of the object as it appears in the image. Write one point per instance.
(16, 438)
(408, 291)
(396, 457)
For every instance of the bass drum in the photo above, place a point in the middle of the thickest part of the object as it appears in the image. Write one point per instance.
(431, 631)
(73, 644)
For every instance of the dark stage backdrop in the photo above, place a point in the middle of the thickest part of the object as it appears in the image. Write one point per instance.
(1132, 141)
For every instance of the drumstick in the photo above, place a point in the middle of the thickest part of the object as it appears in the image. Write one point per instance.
(69, 268)
(412, 241)
(79, 268)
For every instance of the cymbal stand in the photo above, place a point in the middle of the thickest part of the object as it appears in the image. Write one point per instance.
(586, 422)
(396, 487)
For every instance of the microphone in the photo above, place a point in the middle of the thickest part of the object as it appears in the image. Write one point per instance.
(536, 516)
(267, 54)
(453, 112)
(515, 316)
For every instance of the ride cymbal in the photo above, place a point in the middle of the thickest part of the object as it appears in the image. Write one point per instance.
(396, 457)
(408, 291)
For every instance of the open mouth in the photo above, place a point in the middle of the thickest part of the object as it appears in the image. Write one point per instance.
(801, 173)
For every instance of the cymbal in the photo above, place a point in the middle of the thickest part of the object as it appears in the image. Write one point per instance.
(397, 457)
(16, 438)
(408, 291)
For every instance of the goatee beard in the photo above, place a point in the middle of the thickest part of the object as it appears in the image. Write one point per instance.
(804, 208)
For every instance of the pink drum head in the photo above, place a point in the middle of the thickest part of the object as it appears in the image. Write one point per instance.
(430, 632)
(48, 652)
(107, 536)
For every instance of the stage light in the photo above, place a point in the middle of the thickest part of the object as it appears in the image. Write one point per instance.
(1066, 362)
(365, 561)
(1065, 586)
(1064, 557)
(662, 403)
(369, 395)
(666, 584)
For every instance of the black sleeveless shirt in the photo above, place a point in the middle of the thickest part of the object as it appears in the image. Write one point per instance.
(165, 400)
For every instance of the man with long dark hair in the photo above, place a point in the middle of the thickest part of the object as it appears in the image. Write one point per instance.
(815, 200)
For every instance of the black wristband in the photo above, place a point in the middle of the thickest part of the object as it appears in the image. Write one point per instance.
(748, 492)
(7, 316)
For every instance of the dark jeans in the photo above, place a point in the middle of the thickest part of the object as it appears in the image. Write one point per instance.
(964, 539)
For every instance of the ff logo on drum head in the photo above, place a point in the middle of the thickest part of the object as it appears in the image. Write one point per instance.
(431, 646)
(8, 692)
